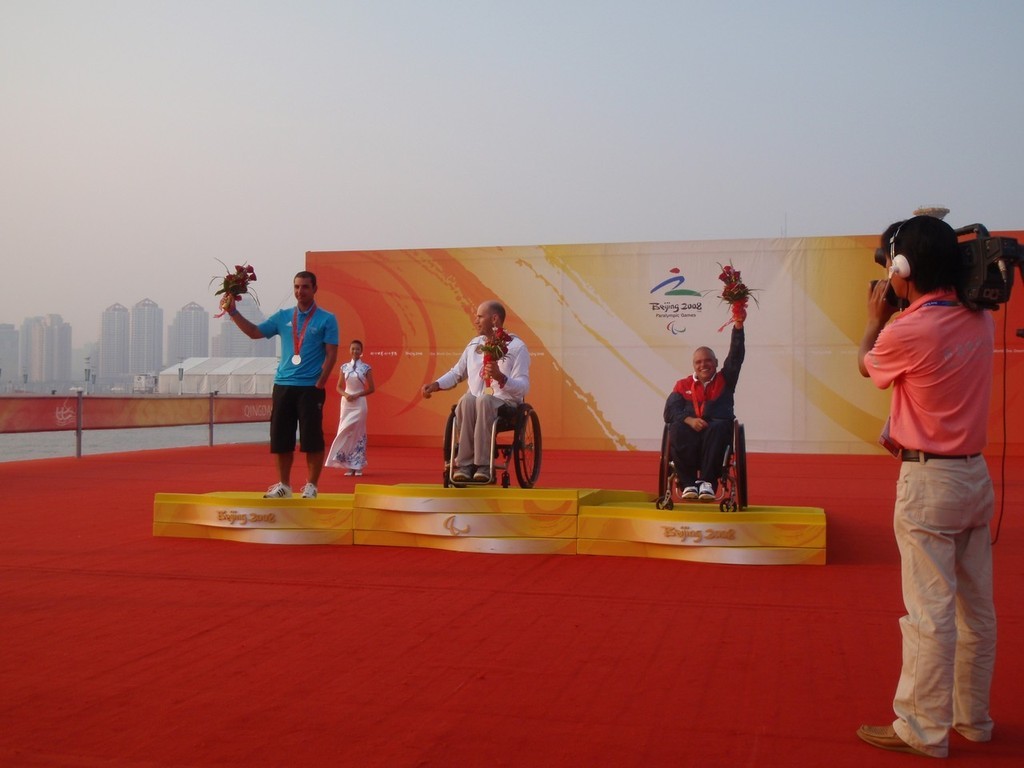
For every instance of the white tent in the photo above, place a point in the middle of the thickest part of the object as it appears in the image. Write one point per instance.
(226, 375)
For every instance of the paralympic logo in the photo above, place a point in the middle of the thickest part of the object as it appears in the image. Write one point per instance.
(682, 302)
(452, 527)
(64, 414)
(674, 284)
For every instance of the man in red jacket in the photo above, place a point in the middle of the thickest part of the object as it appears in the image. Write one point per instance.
(699, 413)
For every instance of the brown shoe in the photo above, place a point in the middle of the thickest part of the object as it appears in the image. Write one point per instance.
(884, 737)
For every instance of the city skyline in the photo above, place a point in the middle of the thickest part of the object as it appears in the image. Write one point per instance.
(39, 352)
(79, 342)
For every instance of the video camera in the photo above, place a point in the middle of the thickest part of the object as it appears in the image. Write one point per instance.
(986, 267)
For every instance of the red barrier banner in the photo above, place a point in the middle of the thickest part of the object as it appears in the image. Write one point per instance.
(27, 413)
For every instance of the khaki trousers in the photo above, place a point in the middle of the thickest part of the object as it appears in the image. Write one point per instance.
(943, 507)
(475, 417)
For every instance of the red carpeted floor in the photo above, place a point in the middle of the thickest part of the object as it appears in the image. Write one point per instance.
(121, 649)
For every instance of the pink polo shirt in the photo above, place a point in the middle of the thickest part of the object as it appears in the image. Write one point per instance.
(938, 359)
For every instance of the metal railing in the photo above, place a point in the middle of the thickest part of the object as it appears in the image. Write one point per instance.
(41, 413)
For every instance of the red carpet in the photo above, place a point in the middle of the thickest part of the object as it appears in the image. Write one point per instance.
(121, 649)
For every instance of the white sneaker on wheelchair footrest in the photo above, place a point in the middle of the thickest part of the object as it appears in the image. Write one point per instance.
(706, 492)
(689, 492)
(461, 475)
(482, 476)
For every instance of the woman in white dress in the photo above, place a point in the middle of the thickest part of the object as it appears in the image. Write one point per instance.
(348, 451)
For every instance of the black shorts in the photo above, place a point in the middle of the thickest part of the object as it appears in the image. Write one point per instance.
(301, 407)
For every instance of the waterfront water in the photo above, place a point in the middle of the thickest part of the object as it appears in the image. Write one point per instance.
(50, 445)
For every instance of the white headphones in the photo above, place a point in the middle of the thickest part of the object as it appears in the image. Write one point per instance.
(900, 265)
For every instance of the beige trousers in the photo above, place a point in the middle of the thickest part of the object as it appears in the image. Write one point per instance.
(475, 417)
(943, 507)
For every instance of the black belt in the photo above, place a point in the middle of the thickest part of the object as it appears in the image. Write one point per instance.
(921, 456)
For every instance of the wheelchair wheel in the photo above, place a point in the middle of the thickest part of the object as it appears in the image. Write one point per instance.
(449, 429)
(526, 449)
(740, 459)
(664, 500)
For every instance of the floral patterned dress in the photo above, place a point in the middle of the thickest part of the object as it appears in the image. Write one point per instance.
(348, 451)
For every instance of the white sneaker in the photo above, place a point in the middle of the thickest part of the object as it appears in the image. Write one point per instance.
(309, 491)
(706, 492)
(359, 473)
(690, 492)
(278, 491)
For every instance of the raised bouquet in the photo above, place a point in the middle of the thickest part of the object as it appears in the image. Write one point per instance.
(736, 294)
(495, 348)
(235, 284)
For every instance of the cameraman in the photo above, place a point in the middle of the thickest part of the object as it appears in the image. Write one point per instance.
(937, 355)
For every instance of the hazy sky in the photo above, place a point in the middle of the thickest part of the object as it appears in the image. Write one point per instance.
(140, 141)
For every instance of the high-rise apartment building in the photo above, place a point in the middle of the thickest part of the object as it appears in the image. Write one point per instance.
(46, 350)
(25, 344)
(10, 372)
(56, 349)
(231, 342)
(189, 334)
(112, 365)
(146, 339)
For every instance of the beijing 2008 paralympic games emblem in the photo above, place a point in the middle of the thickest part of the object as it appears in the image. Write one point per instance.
(64, 415)
(676, 303)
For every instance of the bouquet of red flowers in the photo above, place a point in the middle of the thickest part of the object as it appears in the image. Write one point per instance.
(235, 284)
(495, 348)
(735, 294)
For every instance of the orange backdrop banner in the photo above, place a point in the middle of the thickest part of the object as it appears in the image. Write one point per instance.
(612, 327)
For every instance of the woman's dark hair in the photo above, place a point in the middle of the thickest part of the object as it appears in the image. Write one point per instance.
(931, 247)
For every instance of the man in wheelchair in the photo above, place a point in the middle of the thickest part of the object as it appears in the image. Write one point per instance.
(497, 367)
(699, 414)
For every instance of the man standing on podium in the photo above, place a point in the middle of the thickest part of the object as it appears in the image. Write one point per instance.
(309, 348)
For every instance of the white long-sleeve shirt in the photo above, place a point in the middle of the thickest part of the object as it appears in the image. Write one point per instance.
(515, 365)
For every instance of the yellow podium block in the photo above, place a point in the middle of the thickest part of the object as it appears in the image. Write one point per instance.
(248, 517)
(478, 519)
(501, 546)
(252, 535)
(707, 554)
(503, 521)
(629, 524)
